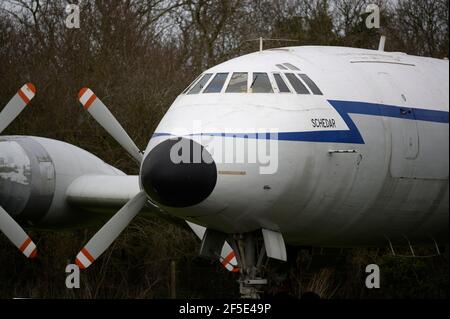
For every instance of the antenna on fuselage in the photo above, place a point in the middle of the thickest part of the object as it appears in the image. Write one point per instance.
(382, 43)
(261, 41)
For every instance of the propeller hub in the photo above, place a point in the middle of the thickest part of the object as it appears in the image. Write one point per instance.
(178, 172)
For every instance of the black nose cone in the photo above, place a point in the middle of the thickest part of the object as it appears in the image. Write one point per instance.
(178, 173)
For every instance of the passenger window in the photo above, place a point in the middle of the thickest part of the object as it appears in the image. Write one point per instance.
(298, 86)
(314, 88)
(200, 84)
(261, 83)
(238, 83)
(216, 85)
(281, 84)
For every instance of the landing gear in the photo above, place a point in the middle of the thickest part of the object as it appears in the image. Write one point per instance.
(253, 251)
(250, 253)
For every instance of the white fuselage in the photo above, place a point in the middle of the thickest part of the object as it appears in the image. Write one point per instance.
(364, 163)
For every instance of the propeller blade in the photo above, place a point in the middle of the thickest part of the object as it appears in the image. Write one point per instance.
(17, 235)
(16, 105)
(110, 231)
(103, 116)
(227, 256)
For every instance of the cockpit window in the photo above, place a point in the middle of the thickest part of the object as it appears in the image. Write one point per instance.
(282, 87)
(291, 66)
(238, 83)
(192, 83)
(281, 67)
(314, 88)
(298, 86)
(216, 84)
(261, 83)
(200, 84)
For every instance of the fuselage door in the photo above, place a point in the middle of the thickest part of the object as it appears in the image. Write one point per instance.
(400, 120)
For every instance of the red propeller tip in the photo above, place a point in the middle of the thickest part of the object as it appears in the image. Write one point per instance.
(80, 94)
(33, 253)
(79, 264)
(31, 87)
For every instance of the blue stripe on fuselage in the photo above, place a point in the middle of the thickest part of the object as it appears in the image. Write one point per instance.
(344, 108)
(409, 113)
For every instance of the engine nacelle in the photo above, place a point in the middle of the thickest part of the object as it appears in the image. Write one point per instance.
(35, 173)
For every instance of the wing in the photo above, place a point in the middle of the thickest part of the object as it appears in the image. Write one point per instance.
(105, 192)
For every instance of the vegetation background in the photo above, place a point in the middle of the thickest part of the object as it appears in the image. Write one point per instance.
(138, 55)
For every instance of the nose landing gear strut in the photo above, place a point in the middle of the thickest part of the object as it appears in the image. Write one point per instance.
(252, 254)
(252, 251)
